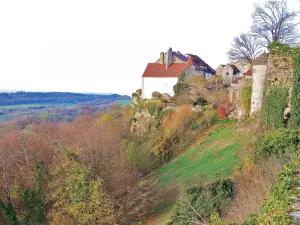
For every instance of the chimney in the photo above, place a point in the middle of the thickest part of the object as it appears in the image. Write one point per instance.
(161, 59)
(169, 58)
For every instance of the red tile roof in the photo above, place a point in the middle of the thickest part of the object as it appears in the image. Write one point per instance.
(190, 61)
(249, 72)
(159, 70)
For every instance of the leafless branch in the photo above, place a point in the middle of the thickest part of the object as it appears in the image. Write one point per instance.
(5, 177)
(245, 47)
(275, 22)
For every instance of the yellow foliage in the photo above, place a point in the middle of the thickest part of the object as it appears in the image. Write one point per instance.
(106, 118)
(248, 164)
(129, 111)
(215, 219)
(78, 198)
(60, 219)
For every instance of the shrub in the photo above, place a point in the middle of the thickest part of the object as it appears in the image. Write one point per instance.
(172, 121)
(215, 219)
(134, 95)
(78, 195)
(8, 213)
(203, 120)
(252, 220)
(139, 91)
(194, 125)
(202, 201)
(200, 101)
(221, 192)
(181, 86)
(278, 143)
(295, 103)
(140, 155)
(276, 206)
(154, 108)
(106, 118)
(250, 190)
(156, 95)
(209, 117)
(275, 103)
(246, 100)
(33, 200)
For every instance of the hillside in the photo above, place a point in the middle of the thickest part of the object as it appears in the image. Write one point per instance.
(54, 106)
(21, 97)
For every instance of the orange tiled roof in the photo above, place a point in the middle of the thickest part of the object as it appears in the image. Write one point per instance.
(249, 72)
(159, 70)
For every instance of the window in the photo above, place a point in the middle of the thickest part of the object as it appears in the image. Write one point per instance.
(227, 73)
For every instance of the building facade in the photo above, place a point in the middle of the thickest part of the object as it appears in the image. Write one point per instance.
(163, 74)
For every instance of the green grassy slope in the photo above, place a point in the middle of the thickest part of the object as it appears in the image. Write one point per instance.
(214, 158)
(124, 102)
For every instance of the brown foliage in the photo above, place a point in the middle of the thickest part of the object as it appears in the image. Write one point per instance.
(251, 189)
(173, 120)
(101, 153)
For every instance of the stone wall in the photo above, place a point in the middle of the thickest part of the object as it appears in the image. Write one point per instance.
(280, 71)
(235, 97)
(273, 70)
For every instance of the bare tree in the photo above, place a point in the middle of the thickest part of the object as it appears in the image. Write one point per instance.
(275, 22)
(5, 177)
(245, 47)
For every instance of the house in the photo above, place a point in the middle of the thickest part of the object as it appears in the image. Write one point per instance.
(229, 73)
(163, 74)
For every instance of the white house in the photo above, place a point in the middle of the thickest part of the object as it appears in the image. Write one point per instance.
(162, 75)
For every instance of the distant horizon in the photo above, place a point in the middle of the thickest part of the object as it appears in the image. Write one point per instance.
(90, 93)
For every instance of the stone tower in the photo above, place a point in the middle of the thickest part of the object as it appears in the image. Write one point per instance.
(260, 65)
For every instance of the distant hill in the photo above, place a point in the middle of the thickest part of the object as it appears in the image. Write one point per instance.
(22, 97)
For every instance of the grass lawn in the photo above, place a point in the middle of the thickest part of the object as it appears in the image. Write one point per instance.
(45, 114)
(153, 100)
(215, 158)
(124, 102)
(24, 106)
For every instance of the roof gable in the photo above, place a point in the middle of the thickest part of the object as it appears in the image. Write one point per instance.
(201, 65)
(159, 70)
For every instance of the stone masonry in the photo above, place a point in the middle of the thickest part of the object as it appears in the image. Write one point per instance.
(270, 70)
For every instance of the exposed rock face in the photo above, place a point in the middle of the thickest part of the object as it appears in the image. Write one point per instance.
(134, 101)
(143, 123)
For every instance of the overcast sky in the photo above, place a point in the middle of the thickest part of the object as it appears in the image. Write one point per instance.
(104, 46)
